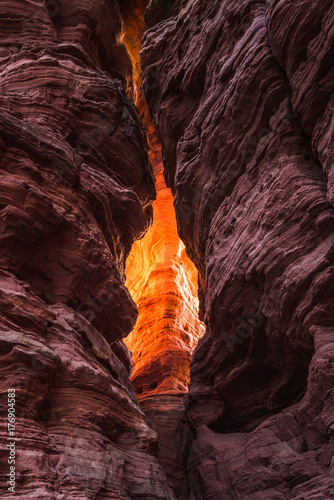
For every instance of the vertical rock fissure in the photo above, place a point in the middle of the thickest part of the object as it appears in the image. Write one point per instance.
(242, 121)
(163, 283)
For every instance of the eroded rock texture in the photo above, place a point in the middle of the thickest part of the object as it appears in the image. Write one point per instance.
(163, 282)
(72, 203)
(160, 277)
(244, 110)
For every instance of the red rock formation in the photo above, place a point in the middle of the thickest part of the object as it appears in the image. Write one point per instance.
(163, 282)
(160, 277)
(72, 203)
(242, 96)
(244, 110)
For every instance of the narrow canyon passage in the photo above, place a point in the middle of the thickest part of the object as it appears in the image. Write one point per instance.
(161, 278)
(162, 161)
(163, 282)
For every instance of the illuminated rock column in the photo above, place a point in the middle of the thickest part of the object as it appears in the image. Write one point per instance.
(162, 281)
(161, 278)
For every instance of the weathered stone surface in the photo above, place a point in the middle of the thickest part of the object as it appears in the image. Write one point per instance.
(71, 205)
(242, 96)
(157, 11)
(163, 282)
(244, 110)
(167, 416)
(160, 277)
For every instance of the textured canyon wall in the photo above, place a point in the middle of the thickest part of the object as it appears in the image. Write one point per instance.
(244, 110)
(161, 278)
(162, 281)
(72, 203)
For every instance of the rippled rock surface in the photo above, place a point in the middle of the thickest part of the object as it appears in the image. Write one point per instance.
(71, 205)
(244, 110)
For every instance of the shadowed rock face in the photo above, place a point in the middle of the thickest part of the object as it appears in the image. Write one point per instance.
(244, 110)
(242, 97)
(72, 203)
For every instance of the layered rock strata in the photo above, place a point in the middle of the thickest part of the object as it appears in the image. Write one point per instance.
(160, 277)
(163, 282)
(244, 111)
(72, 203)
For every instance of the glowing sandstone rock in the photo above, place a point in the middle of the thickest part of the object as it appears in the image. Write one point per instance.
(160, 277)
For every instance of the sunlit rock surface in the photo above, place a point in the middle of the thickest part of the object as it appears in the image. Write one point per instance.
(160, 277)
(163, 282)
(244, 110)
(72, 203)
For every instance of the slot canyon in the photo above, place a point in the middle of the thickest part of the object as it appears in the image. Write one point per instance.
(167, 249)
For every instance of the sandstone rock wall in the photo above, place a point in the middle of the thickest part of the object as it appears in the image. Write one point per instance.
(162, 281)
(242, 97)
(72, 203)
(161, 278)
(244, 110)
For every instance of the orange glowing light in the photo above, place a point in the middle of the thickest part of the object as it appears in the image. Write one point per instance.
(161, 278)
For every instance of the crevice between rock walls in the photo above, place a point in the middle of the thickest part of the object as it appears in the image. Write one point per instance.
(76, 191)
(241, 94)
(163, 282)
(251, 155)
